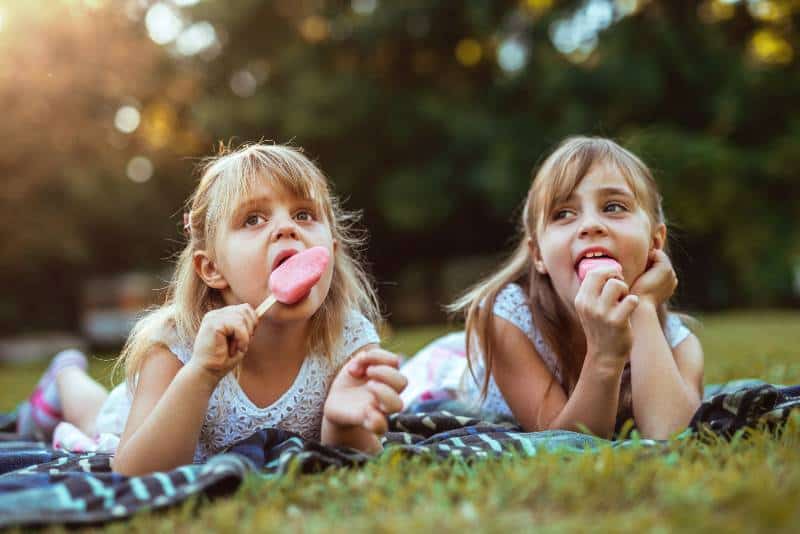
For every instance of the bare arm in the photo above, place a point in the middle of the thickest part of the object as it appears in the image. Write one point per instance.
(667, 385)
(538, 401)
(165, 419)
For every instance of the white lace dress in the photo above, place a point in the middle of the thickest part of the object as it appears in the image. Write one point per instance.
(440, 369)
(232, 416)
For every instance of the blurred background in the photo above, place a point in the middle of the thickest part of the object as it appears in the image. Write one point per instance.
(428, 116)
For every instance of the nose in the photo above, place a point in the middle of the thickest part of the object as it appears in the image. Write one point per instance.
(591, 225)
(285, 229)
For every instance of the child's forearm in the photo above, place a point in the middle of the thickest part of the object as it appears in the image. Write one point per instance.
(593, 403)
(662, 401)
(167, 438)
(354, 437)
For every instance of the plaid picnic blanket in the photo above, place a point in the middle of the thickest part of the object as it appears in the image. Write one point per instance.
(39, 485)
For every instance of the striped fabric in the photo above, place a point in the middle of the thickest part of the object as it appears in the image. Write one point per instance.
(40, 485)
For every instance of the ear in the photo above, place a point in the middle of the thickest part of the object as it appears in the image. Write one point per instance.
(207, 270)
(660, 237)
(538, 264)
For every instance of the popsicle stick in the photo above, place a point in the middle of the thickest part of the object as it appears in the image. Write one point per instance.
(264, 306)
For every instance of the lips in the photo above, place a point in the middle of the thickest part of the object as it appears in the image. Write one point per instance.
(282, 256)
(594, 258)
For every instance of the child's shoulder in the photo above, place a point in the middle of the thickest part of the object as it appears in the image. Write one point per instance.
(357, 331)
(512, 305)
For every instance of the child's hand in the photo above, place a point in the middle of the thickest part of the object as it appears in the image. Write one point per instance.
(658, 282)
(365, 391)
(604, 307)
(223, 339)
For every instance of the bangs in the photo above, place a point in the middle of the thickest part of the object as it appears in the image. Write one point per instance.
(564, 170)
(238, 174)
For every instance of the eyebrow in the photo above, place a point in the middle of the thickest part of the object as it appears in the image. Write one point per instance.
(615, 191)
(250, 203)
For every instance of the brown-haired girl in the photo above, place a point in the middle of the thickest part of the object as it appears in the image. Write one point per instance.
(573, 331)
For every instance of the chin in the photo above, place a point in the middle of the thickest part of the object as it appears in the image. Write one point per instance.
(300, 311)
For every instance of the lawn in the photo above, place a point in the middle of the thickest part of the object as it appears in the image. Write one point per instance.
(747, 485)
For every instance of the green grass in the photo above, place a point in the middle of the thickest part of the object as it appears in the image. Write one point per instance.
(744, 486)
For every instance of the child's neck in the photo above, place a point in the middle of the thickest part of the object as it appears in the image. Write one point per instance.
(276, 345)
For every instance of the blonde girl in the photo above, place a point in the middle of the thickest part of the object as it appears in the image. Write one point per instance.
(203, 371)
(553, 351)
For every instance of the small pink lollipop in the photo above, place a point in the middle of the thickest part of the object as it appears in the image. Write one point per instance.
(590, 264)
(292, 281)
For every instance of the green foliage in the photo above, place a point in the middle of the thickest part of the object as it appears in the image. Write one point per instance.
(409, 109)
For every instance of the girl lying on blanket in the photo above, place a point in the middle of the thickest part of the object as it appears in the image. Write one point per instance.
(573, 330)
(204, 371)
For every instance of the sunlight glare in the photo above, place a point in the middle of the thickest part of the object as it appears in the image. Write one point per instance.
(196, 38)
(163, 22)
(127, 119)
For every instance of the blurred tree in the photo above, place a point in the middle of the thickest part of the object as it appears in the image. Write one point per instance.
(68, 209)
(427, 115)
(430, 116)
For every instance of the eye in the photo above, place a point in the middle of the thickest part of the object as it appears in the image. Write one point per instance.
(562, 214)
(615, 207)
(253, 219)
(304, 215)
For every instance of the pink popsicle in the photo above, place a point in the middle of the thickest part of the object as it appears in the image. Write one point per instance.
(293, 280)
(590, 264)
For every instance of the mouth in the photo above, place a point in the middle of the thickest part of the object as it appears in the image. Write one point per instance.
(593, 254)
(282, 256)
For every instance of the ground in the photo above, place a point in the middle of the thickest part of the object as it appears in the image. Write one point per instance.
(747, 485)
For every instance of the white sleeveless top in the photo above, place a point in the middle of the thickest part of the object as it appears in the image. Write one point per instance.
(232, 416)
(512, 305)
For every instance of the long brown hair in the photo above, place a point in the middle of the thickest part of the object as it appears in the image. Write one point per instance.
(225, 180)
(554, 182)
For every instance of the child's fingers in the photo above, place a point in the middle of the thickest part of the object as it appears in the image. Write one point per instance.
(388, 375)
(614, 290)
(595, 281)
(625, 309)
(375, 421)
(388, 399)
(241, 338)
(370, 357)
(250, 317)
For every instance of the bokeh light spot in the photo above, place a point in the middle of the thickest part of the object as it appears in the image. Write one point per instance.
(243, 83)
(314, 29)
(364, 7)
(512, 55)
(158, 124)
(626, 8)
(769, 10)
(196, 38)
(127, 119)
(468, 52)
(538, 6)
(139, 169)
(770, 47)
(712, 11)
(163, 23)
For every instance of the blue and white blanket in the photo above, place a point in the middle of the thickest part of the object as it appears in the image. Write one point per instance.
(39, 485)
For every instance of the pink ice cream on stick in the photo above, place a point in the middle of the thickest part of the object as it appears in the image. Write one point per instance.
(292, 281)
(590, 264)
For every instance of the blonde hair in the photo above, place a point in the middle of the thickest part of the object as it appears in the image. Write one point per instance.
(225, 180)
(556, 179)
